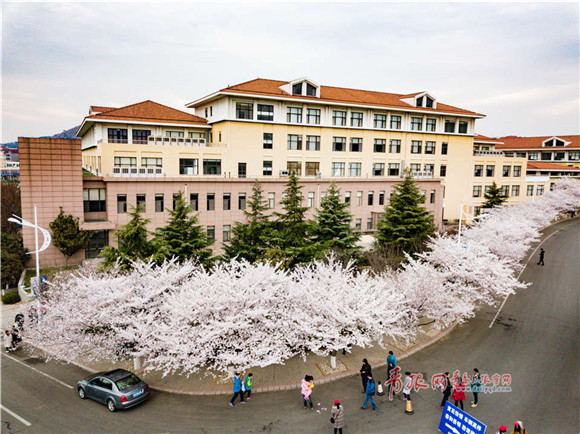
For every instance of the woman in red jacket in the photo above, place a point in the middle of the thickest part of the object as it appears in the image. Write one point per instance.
(459, 394)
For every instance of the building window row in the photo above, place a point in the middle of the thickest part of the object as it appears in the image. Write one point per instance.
(478, 170)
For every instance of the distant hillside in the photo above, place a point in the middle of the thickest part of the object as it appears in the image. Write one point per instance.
(66, 134)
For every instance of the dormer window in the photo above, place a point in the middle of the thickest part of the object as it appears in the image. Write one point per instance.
(425, 101)
(297, 89)
(554, 142)
(310, 90)
(302, 86)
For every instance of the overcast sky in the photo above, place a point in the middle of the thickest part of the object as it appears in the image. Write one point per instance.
(518, 63)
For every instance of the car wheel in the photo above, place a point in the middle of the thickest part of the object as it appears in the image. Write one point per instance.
(111, 405)
(82, 393)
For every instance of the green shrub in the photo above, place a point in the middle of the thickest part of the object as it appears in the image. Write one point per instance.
(11, 298)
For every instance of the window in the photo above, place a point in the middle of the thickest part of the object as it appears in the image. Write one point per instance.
(212, 167)
(430, 168)
(381, 198)
(310, 199)
(354, 169)
(559, 156)
(357, 224)
(477, 191)
(533, 156)
(140, 137)
(356, 144)
(431, 124)
(347, 197)
(416, 124)
(338, 118)
(463, 127)
(267, 168)
(337, 169)
(521, 154)
(487, 189)
(271, 200)
(227, 201)
(297, 89)
(175, 199)
(546, 156)
(489, 170)
(141, 203)
(506, 171)
(194, 201)
(356, 119)
(242, 201)
(380, 145)
(313, 116)
(294, 167)
(395, 122)
(125, 161)
(539, 190)
(159, 206)
(151, 162)
(432, 197)
(196, 135)
(476, 210)
(94, 200)
(188, 166)
(174, 134)
(370, 198)
(312, 168)
(210, 202)
(227, 233)
(121, 203)
(478, 170)
(517, 171)
(211, 233)
(505, 190)
(294, 114)
(244, 110)
(211, 110)
(573, 156)
(359, 198)
(393, 169)
(339, 144)
(265, 112)
(443, 170)
(117, 135)
(206, 112)
(508, 154)
(242, 170)
(415, 167)
(97, 241)
(310, 90)
(313, 143)
(530, 190)
(515, 190)
(395, 146)
(379, 169)
(380, 121)
(449, 126)
(416, 146)
(369, 223)
(429, 147)
(444, 148)
(294, 142)
(268, 140)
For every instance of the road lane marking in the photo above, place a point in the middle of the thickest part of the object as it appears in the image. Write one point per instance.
(527, 262)
(11, 413)
(40, 372)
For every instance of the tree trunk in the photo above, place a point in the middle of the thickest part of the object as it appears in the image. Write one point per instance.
(333, 360)
(137, 363)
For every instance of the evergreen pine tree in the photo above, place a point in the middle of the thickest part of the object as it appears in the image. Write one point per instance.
(132, 242)
(493, 197)
(249, 240)
(181, 236)
(14, 258)
(67, 236)
(332, 227)
(405, 226)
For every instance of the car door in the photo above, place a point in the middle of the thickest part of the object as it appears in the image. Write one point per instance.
(93, 389)
(98, 389)
(107, 389)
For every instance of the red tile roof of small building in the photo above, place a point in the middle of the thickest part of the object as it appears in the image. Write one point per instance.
(267, 87)
(544, 165)
(485, 139)
(149, 111)
(516, 142)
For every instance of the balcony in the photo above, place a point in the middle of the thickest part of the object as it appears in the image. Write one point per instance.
(161, 140)
(137, 172)
(485, 153)
(422, 174)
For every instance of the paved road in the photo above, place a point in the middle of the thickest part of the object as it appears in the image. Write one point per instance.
(535, 340)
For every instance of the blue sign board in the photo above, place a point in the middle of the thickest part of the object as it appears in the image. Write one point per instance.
(456, 421)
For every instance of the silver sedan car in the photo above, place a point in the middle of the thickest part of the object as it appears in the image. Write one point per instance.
(117, 389)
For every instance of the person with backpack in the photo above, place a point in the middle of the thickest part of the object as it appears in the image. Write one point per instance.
(337, 417)
(237, 390)
(248, 386)
(307, 386)
(370, 392)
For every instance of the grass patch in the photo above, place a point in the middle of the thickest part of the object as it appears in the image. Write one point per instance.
(50, 272)
(86, 173)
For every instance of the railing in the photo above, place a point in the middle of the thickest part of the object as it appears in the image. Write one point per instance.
(537, 178)
(161, 140)
(422, 174)
(483, 153)
(137, 172)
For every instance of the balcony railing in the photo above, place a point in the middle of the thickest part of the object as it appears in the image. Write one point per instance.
(484, 153)
(422, 174)
(137, 172)
(161, 140)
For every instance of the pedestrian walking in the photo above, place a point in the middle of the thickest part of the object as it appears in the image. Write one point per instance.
(407, 387)
(337, 417)
(248, 386)
(502, 429)
(7, 340)
(307, 386)
(391, 363)
(458, 394)
(519, 428)
(475, 386)
(541, 261)
(364, 371)
(237, 390)
(370, 392)
(446, 388)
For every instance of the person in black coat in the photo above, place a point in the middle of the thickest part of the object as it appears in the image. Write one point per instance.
(447, 389)
(365, 371)
(542, 252)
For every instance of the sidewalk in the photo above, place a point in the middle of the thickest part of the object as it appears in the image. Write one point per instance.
(270, 378)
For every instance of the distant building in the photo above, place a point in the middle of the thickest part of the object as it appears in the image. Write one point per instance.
(9, 162)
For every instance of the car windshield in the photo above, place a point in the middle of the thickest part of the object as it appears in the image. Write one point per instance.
(129, 381)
